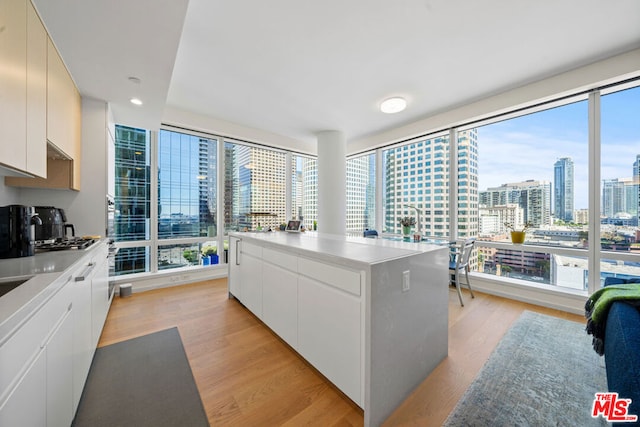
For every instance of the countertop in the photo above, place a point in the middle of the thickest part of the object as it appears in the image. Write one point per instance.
(340, 249)
(46, 268)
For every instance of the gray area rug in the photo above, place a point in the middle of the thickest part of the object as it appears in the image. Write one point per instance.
(145, 381)
(543, 372)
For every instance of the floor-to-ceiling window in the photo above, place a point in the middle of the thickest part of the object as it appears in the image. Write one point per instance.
(619, 172)
(187, 177)
(360, 182)
(533, 169)
(304, 190)
(416, 184)
(132, 198)
(255, 188)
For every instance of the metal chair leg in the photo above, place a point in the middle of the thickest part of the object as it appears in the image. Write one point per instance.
(466, 274)
(458, 287)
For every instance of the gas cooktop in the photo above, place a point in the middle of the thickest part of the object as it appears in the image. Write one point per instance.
(64, 244)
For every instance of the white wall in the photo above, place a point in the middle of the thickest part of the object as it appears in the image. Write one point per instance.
(85, 209)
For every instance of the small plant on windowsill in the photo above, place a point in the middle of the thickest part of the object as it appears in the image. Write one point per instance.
(518, 236)
(407, 222)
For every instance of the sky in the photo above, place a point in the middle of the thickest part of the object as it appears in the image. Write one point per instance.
(527, 147)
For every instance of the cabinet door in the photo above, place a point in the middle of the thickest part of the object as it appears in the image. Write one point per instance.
(82, 342)
(329, 334)
(13, 83)
(234, 267)
(280, 302)
(64, 111)
(251, 277)
(36, 138)
(99, 297)
(60, 373)
(26, 405)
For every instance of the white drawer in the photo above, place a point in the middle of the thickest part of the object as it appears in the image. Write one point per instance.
(251, 249)
(341, 278)
(281, 259)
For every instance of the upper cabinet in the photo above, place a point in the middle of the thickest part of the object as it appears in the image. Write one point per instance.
(39, 102)
(64, 112)
(13, 83)
(36, 94)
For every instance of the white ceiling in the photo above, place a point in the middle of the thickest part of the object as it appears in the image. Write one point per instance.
(294, 67)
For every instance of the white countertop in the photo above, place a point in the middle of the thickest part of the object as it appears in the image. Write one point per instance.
(341, 249)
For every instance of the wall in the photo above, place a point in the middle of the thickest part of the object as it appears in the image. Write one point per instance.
(85, 209)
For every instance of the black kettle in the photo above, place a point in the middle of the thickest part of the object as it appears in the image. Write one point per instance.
(54, 224)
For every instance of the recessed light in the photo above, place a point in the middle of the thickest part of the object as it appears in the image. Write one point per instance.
(134, 79)
(135, 101)
(393, 105)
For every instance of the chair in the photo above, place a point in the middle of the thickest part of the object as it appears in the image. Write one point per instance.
(460, 261)
(372, 234)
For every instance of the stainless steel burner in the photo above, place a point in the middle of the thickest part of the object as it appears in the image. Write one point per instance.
(61, 245)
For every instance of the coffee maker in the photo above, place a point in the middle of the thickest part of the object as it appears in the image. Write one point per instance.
(17, 231)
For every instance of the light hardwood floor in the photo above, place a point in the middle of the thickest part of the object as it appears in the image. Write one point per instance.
(247, 376)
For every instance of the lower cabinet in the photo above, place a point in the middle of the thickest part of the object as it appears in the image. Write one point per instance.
(99, 295)
(329, 334)
(251, 277)
(26, 404)
(44, 363)
(313, 306)
(280, 302)
(60, 373)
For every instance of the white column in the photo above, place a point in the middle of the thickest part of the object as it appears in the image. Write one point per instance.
(332, 182)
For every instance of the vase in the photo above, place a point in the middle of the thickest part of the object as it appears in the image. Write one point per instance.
(406, 230)
(517, 237)
(214, 259)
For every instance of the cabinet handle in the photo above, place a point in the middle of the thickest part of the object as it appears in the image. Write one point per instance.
(85, 273)
(237, 253)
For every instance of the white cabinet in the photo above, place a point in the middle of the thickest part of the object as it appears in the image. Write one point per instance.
(99, 295)
(234, 266)
(60, 372)
(36, 137)
(279, 302)
(13, 83)
(251, 277)
(329, 334)
(36, 365)
(82, 342)
(26, 405)
(315, 307)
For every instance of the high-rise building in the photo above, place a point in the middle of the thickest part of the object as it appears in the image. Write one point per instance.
(613, 197)
(534, 197)
(636, 184)
(511, 213)
(309, 190)
(259, 197)
(359, 199)
(563, 189)
(417, 184)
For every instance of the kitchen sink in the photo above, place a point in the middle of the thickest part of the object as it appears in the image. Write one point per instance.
(7, 286)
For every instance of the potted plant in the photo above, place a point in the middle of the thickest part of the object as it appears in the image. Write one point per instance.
(518, 236)
(211, 252)
(407, 222)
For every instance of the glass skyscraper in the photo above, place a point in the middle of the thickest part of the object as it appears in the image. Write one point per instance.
(563, 189)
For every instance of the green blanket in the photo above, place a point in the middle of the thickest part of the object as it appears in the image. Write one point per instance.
(597, 309)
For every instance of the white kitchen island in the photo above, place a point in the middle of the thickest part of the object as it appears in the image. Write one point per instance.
(371, 315)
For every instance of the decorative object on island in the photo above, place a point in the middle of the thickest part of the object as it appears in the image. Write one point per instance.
(407, 222)
(518, 236)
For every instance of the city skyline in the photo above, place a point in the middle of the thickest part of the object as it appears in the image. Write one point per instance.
(527, 147)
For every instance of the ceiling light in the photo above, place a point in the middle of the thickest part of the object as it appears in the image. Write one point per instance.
(135, 101)
(393, 105)
(134, 79)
